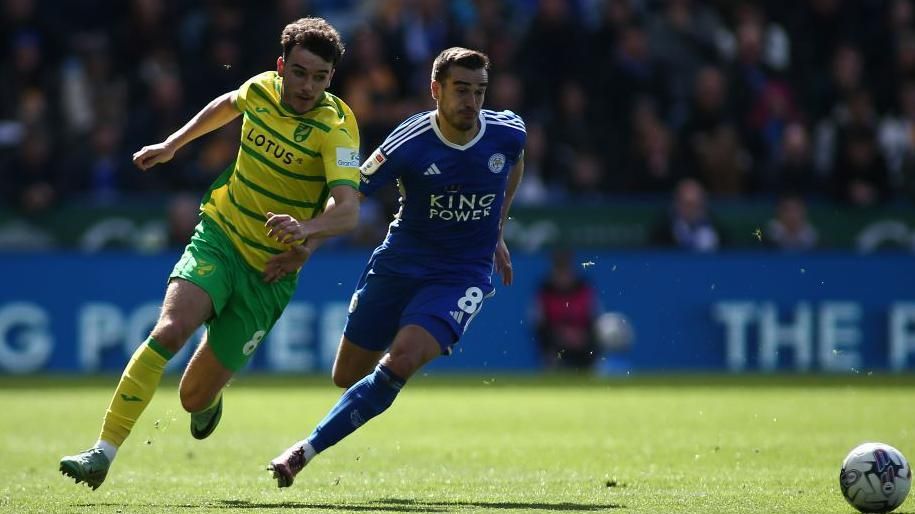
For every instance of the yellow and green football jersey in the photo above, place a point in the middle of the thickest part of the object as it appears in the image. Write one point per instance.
(286, 164)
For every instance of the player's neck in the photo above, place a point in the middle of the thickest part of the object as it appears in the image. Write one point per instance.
(454, 135)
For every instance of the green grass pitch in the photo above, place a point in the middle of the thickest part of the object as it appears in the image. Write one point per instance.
(505, 444)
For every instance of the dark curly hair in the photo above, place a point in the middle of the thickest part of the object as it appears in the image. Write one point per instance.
(457, 56)
(315, 35)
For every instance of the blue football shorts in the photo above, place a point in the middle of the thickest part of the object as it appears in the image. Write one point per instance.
(383, 304)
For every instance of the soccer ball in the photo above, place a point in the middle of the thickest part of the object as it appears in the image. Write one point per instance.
(875, 477)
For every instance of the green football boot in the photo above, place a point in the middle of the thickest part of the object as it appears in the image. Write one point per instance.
(90, 466)
(203, 423)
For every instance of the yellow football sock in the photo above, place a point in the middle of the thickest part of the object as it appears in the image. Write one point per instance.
(138, 384)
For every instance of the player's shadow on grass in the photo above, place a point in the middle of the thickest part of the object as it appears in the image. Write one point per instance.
(402, 505)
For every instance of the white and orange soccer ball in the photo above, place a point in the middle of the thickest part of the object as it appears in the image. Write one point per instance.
(875, 477)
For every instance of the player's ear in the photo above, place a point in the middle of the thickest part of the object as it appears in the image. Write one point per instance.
(436, 89)
(280, 65)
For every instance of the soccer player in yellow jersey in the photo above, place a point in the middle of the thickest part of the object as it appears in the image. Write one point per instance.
(299, 156)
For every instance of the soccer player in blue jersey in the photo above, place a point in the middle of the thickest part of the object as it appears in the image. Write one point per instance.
(458, 168)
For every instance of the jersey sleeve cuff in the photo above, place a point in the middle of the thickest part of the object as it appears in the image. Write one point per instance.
(343, 182)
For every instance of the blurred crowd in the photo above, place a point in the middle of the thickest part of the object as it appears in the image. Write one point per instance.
(788, 99)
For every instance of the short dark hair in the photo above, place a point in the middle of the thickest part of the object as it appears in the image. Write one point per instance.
(457, 56)
(315, 35)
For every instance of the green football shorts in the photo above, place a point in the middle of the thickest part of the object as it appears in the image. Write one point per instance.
(245, 307)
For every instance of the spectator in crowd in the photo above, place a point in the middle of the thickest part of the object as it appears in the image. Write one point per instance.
(34, 184)
(565, 310)
(626, 79)
(861, 178)
(710, 140)
(793, 170)
(570, 129)
(587, 175)
(854, 114)
(827, 90)
(688, 225)
(790, 230)
(614, 18)
(555, 36)
(897, 131)
(92, 92)
(686, 37)
(534, 190)
(101, 173)
(653, 166)
(818, 29)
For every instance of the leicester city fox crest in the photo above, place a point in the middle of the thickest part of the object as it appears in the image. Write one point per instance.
(496, 162)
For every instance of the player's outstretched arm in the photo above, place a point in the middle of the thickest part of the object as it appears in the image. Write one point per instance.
(503, 259)
(217, 113)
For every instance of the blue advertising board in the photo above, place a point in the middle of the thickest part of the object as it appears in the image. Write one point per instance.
(727, 312)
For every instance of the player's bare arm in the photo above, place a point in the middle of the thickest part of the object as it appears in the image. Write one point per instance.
(503, 260)
(342, 218)
(293, 259)
(219, 112)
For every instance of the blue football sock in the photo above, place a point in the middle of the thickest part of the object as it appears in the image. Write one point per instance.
(363, 401)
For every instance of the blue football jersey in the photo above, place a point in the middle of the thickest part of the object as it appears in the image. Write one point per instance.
(451, 196)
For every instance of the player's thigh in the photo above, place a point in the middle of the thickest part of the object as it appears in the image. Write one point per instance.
(186, 306)
(353, 362)
(375, 310)
(235, 333)
(200, 285)
(446, 310)
(203, 378)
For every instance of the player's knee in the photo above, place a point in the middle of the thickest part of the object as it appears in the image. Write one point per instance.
(403, 361)
(344, 380)
(412, 349)
(172, 333)
(193, 399)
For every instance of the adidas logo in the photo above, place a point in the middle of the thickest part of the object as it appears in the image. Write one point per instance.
(458, 316)
(433, 170)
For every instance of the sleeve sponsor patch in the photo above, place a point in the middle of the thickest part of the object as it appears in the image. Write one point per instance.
(371, 165)
(348, 157)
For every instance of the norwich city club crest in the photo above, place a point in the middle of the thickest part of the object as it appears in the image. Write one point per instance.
(301, 133)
